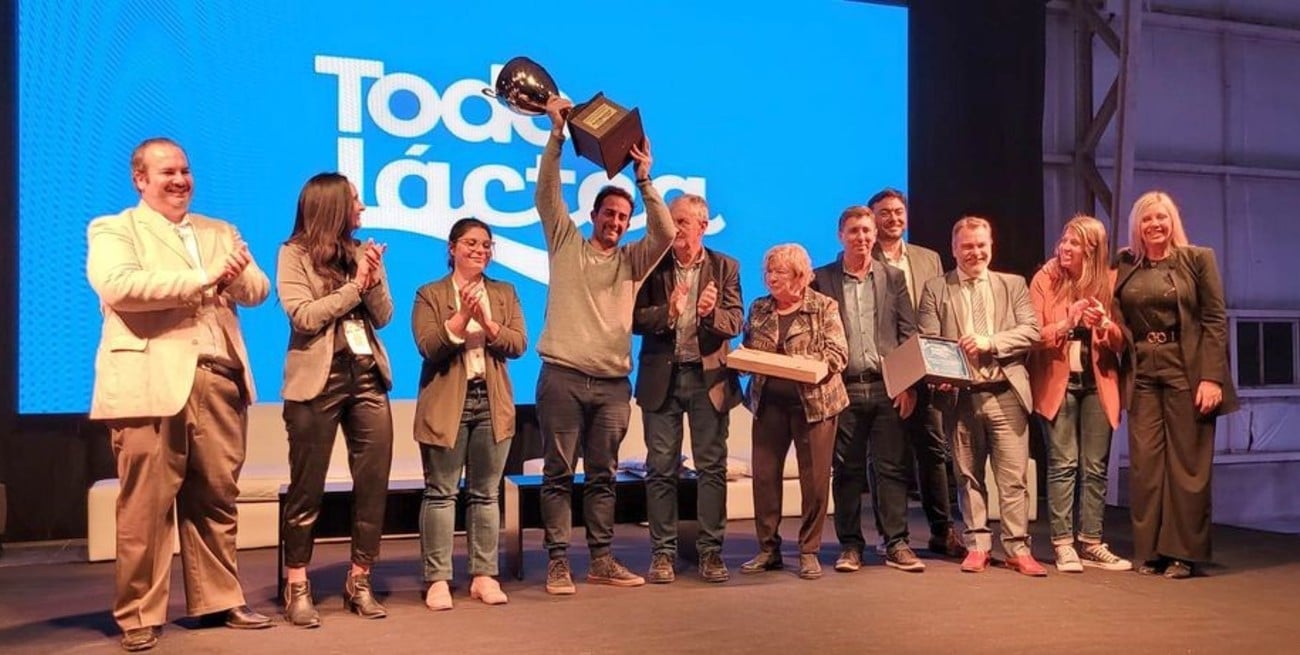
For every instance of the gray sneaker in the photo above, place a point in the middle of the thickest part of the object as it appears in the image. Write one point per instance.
(661, 569)
(902, 557)
(1067, 559)
(559, 580)
(607, 570)
(1099, 556)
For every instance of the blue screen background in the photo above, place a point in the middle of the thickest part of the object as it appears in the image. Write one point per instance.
(780, 113)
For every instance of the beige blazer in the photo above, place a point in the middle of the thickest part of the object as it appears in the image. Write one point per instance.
(149, 293)
(1014, 322)
(442, 376)
(313, 307)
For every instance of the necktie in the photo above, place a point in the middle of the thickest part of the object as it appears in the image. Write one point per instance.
(979, 319)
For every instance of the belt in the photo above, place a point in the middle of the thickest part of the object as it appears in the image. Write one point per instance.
(990, 387)
(224, 371)
(1159, 336)
(866, 377)
(689, 364)
(476, 385)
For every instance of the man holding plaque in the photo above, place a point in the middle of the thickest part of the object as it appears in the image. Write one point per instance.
(688, 311)
(992, 318)
(925, 426)
(583, 391)
(878, 316)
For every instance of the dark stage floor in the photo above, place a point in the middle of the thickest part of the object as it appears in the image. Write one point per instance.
(1247, 603)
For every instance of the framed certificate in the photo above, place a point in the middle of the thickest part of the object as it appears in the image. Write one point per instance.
(934, 359)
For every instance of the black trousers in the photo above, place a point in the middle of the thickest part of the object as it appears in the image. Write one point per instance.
(353, 397)
(870, 422)
(1171, 456)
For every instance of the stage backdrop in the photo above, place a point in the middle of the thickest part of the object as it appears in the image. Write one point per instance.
(780, 113)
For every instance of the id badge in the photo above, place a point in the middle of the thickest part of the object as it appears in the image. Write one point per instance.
(355, 331)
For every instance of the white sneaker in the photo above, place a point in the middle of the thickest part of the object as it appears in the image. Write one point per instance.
(1099, 556)
(1067, 561)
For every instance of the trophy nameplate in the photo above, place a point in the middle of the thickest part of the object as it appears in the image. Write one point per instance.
(604, 132)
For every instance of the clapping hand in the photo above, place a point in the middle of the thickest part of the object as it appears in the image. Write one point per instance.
(708, 300)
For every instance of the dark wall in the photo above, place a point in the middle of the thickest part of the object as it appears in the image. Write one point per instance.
(976, 146)
(976, 140)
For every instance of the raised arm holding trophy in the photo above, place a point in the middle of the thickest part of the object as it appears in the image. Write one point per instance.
(603, 131)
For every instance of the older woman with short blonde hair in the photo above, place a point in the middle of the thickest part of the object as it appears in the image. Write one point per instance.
(797, 321)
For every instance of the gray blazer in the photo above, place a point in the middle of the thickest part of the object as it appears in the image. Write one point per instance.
(313, 307)
(923, 262)
(1014, 320)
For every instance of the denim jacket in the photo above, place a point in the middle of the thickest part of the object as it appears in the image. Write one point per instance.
(817, 333)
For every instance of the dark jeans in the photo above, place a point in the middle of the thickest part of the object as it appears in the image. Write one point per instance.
(574, 409)
(687, 396)
(354, 397)
(483, 459)
(1078, 454)
(927, 430)
(870, 422)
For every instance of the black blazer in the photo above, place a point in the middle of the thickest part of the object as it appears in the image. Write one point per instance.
(715, 331)
(1202, 321)
(895, 316)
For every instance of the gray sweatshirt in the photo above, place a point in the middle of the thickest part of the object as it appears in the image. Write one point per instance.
(589, 303)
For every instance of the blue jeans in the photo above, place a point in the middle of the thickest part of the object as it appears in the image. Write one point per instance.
(483, 459)
(687, 396)
(1077, 459)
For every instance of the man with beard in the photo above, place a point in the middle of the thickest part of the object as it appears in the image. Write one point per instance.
(925, 427)
(992, 318)
(173, 384)
(583, 391)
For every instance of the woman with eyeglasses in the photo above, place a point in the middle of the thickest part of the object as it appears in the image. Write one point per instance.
(1175, 382)
(336, 373)
(466, 326)
(797, 321)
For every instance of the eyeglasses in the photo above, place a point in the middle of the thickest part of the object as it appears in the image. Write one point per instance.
(475, 243)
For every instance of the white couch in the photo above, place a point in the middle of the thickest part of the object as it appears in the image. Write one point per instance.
(266, 468)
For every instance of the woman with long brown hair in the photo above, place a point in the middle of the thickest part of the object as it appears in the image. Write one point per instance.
(336, 373)
(1074, 378)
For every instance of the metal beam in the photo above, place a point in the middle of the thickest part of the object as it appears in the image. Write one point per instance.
(1163, 17)
(1185, 168)
(1130, 53)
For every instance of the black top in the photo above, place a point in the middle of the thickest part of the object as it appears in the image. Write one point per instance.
(1149, 300)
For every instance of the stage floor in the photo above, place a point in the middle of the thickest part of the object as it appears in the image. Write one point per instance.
(1245, 604)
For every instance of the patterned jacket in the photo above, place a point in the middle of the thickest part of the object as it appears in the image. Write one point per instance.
(817, 333)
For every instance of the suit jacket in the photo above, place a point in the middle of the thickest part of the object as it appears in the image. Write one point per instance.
(150, 292)
(1202, 321)
(1049, 364)
(895, 316)
(313, 306)
(714, 332)
(817, 333)
(1014, 323)
(443, 376)
(924, 263)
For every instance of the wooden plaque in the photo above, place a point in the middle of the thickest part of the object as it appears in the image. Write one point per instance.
(808, 371)
(604, 132)
(934, 359)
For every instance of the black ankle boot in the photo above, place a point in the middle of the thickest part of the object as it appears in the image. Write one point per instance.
(299, 610)
(359, 597)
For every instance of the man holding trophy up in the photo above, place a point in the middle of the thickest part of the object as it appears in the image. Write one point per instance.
(583, 391)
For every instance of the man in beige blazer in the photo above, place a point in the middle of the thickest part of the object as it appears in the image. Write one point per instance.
(173, 384)
(925, 426)
(991, 316)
